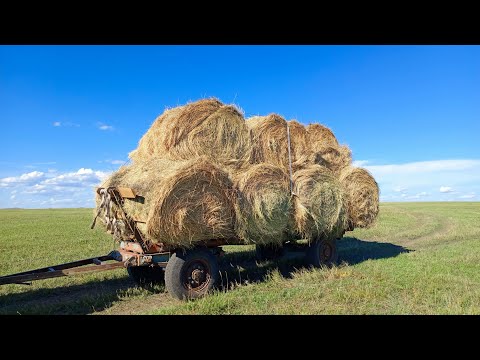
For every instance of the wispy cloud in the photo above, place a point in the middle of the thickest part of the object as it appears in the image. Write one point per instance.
(105, 127)
(359, 163)
(27, 178)
(65, 124)
(113, 162)
(445, 189)
(467, 196)
(428, 180)
(53, 189)
(425, 166)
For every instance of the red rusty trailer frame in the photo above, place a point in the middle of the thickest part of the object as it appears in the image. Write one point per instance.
(188, 273)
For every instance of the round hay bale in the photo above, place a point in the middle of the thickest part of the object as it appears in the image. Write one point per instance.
(269, 140)
(299, 140)
(149, 144)
(202, 128)
(319, 204)
(143, 177)
(192, 203)
(335, 158)
(320, 136)
(263, 205)
(362, 195)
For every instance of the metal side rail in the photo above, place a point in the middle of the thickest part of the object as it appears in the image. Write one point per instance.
(72, 268)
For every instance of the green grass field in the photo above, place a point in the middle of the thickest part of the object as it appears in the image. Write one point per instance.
(420, 258)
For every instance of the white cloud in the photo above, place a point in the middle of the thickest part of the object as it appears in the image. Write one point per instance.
(53, 201)
(54, 189)
(113, 162)
(22, 179)
(425, 167)
(445, 189)
(65, 124)
(105, 127)
(462, 176)
(82, 177)
(416, 196)
(471, 195)
(359, 163)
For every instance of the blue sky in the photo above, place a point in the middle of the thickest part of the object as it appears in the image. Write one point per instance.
(71, 114)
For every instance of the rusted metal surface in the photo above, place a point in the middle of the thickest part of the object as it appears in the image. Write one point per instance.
(131, 246)
(130, 223)
(197, 275)
(67, 269)
(120, 258)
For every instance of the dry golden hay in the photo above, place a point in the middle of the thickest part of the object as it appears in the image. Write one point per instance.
(362, 195)
(182, 202)
(320, 136)
(148, 144)
(299, 140)
(319, 204)
(263, 204)
(192, 203)
(202, 128)
(335, 158)
(270, 140)
(143, 177)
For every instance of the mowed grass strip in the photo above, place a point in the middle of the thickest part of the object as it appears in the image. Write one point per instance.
(420, 258)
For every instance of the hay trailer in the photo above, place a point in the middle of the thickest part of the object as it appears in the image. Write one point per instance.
(187, 273)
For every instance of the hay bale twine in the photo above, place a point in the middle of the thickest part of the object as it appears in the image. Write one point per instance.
(202, 128)
(192, 203)
(270, 140)
(263, 204)
(319, 204)
(299, 140)
(362, 194)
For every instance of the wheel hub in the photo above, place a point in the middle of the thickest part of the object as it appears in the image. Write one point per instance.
(197, 276)
(326, 251)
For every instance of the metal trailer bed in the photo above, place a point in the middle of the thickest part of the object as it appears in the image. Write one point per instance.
(187, 273)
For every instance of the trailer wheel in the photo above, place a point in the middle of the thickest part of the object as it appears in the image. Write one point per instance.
(322, 253)
(191, 274)
(146, 276)
(268, 252)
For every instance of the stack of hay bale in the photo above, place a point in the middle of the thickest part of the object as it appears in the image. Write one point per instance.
(205, 172)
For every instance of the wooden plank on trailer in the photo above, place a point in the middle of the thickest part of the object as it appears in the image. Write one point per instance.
(126, 193)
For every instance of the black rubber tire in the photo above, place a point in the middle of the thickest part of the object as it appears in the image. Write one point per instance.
(322, 253)
(146, 276)
(180, 273)
(268, 252)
